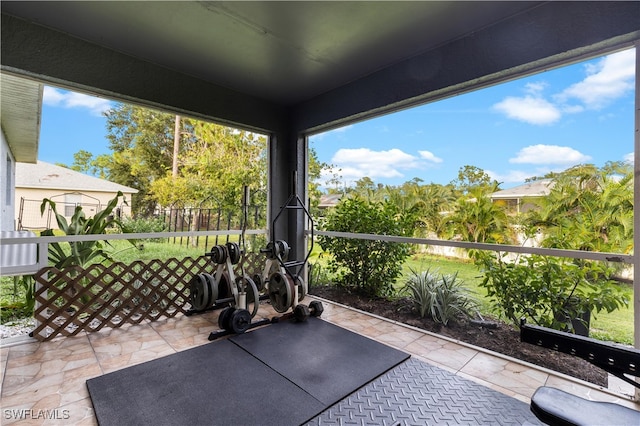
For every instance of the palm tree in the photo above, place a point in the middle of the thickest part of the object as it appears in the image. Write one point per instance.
(589, 209)
(434, 203)
(476, 218)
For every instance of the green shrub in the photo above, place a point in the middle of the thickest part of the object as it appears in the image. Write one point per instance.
(11, 290)
(548, 291)
(368, 267)
(14, 312)
(318, 275)
(443, 297)
(143, 226)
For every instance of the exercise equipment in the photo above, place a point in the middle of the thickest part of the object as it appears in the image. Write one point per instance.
(235, 321)
(238, 321)
(223, 288)
(281, 280)
(281, 277)
(301, 311)
(556, 407)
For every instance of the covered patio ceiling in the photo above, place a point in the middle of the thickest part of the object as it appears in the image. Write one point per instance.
(308, 66)
(20, 108)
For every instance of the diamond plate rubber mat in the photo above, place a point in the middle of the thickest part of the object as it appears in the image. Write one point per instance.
(416, 393)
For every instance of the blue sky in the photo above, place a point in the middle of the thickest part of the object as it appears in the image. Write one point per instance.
(578, 114)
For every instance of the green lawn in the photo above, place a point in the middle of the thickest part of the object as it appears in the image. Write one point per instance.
(466, 271)
(616, 326)
(126, 253)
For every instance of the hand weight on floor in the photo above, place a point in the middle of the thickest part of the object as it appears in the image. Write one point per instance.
(301, 312)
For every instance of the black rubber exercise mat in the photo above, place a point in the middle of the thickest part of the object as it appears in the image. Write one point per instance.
(325, 360)
(281, 374)
(214, 384)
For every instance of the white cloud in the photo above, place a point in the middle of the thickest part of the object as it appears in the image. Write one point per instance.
(65, 99)
(572, 109)
(629, 158)
(353, 164)
(530, 109)
(340, 177)
(607, 80)
(549, 154)
(374, 164)
(535, 88)
(429, 156)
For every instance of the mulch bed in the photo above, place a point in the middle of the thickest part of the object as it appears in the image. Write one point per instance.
(504, 338)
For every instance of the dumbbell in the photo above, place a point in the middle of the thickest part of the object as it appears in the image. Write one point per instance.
(301, 312)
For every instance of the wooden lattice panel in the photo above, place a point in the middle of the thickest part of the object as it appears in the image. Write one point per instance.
(75, 299)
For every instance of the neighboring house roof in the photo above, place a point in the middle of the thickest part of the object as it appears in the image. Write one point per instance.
(538, 188)
(329, 200)
(49, 176)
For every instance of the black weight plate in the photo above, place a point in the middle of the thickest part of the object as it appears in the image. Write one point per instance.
(302, 288)
(234, 253)
(280, 292)
(282, 249)
(225, 317)
(240, 321)
(199, 292)
(257, 280)
(224, 286)
(213, 289)
(218, 254)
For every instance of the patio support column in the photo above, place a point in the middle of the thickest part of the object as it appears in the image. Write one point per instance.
(287, 175)
(636, 213)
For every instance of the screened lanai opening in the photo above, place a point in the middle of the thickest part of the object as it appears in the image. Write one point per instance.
(545, 128)
(177, 173)
(158, 191)
(543, 164)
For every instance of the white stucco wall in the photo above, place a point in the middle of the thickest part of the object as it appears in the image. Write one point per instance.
(7, 179)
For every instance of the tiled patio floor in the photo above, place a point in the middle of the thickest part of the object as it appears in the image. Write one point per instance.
(47, 379)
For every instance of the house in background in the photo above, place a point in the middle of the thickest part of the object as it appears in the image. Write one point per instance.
(328, 201)
(67, 188)
(521, 199)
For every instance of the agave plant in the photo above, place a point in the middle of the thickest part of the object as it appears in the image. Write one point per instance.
(79, 254)
(442, 297)
(82, 252)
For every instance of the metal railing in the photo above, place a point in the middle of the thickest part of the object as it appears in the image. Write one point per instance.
(42, 244)
(573, 254)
